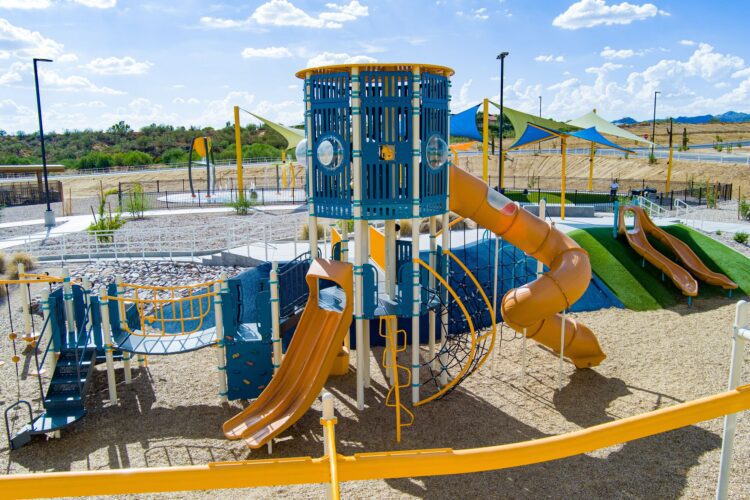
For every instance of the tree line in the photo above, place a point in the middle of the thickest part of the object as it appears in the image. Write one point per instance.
(121, 145)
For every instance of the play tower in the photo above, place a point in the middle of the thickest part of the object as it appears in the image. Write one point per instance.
(377, 152)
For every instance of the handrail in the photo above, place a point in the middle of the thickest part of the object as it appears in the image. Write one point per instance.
(374, 465)
(39, 364)
(450, 225)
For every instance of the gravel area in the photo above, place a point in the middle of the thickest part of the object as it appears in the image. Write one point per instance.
(728, 240)
(18, 231)
(170, 416)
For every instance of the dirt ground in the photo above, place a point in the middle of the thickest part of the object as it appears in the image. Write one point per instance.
(170, 416)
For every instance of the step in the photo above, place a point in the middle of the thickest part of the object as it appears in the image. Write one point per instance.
(82, 353)
(58, 401)
(49, 421)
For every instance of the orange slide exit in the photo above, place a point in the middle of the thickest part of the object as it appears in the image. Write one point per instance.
(534, 306)
(638, 239)
(307, 364)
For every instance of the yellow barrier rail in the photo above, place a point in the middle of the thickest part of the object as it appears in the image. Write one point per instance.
(377, 465)
(450, 225)
(199, 306)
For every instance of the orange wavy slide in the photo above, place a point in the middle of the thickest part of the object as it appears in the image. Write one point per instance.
(534, 306)
(679, 248)
(306, 366)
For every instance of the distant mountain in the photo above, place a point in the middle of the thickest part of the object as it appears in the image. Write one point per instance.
(625, 121)
(728, 117)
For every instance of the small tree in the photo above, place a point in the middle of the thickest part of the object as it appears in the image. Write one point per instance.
(136, 202)
(106, 221)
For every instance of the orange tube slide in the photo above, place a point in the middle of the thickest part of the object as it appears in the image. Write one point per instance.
(534, 306)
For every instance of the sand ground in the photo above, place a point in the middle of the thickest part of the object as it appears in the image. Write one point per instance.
(170, 416)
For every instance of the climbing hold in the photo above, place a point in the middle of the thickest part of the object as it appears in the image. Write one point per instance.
(246, 381)
(16, 359)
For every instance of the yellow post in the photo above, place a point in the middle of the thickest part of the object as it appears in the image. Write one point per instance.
(485, 140)
(283, 156)
(563, 148)
(591, 168)
(238, 150)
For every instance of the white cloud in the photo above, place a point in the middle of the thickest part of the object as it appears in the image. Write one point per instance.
(29, 43)
(743, 73)
(218, 111)
(328, 58)
(74, 83)
(118, 66)
(689, 43)
(44, 4)
(610, 53)
(462, 101)
(14, 116)
(190, 100)
(67, 58)
(549, 58)
(289, 112)
(285, 13)
(140, 112)
(590, 13)
(4, 54)
(267, 52)
(480, 13)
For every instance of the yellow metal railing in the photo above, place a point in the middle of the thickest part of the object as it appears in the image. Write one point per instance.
(390, 362)
(374, 465)
(152, 307)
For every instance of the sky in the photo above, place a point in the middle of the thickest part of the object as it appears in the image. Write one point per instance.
(189, 62)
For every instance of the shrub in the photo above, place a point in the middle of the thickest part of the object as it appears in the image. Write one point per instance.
(242, 205)
(132, 158)
(652, 159)
(2, 263)
(95, 159)
(23, 258)
(136, 203)
(305, 232)
(174, 155)
(260, 151)
(718, 232)
(741, 237)
(404, 228)
(349, 225)
(106, 222)
(744, 208)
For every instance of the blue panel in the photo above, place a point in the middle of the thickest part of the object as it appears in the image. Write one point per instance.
(464, 124)
(330, 117)
(533, 134)
(387, 135)
(433, 183)
(370, 287)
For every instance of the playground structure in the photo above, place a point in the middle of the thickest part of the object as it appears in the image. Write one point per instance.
(376, 154)
(680, 275)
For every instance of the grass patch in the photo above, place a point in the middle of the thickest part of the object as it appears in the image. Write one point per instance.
(641, 288)
(619, 267)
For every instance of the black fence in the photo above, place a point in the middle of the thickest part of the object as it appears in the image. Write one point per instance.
(14, 194)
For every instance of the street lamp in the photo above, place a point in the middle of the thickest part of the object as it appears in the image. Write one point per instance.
(653, 123)
(501, 161)
(49, 215)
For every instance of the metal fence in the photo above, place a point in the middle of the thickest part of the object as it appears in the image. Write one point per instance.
(29, 193)
(131, 201)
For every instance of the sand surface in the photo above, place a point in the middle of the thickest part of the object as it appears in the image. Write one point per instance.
(170, 416)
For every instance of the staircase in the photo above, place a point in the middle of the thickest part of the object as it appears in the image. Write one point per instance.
(64, 400)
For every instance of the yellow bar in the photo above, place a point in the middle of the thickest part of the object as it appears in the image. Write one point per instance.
(378, 465)
(332, 457)
(591, 168)
(485, 140)
(238, 150)
(563, 149)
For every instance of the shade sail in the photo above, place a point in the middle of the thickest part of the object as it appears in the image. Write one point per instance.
(519, 119)
(603, 126)
(293, 136)
(593, 135)
(464, 124)
(534, 134)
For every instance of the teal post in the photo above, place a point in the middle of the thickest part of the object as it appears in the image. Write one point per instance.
(616, 220)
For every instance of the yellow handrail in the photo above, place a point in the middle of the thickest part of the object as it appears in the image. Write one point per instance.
(450, 225)
(377, 465)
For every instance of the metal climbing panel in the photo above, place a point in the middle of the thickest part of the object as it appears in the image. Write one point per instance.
(386, 128)
(433, 189)
(331, 192)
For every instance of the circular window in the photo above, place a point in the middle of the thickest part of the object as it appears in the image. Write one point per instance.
(330, 153)
(436, 152)
(301, 152)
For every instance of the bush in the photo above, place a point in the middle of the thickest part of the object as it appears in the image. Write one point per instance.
(106, 222)
(260, 151)
(132, 158)
(349, 226)
(242, 205)
(305, 232)
(95, 159)
(174, 155)
(23, 258)
(744, 208)
(136, 203)
(741, 237)
(2, 263)
(404, 228)
(652, 159)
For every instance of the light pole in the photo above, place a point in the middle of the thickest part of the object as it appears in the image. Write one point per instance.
(653, 123)
(501, 161)
(49, 215)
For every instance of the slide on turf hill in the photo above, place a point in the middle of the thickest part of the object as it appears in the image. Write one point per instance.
(679, 248)
(534, 306)
(306, 365)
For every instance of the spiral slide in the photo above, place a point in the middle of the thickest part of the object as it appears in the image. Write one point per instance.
(534, 306)
(307, 364)
(643, 227)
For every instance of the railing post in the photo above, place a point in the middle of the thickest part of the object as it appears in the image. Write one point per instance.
(70, 320)
(52, 340)
(221, 361)
(25, 307)
(329, 444)
(108, 354)
(123, 326)
(275, 319)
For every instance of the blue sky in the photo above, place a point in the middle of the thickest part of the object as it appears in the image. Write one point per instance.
(189, 62)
